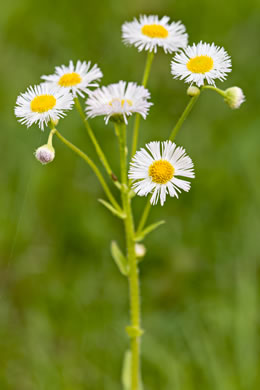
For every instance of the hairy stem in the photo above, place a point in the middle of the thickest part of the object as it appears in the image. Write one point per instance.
(183, 117)
(133, 277)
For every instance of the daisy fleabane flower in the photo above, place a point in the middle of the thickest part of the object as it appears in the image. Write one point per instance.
(151, 32)
(75, 78)
(119, 99)
(41, 104)
(154, 171)
(200, 63)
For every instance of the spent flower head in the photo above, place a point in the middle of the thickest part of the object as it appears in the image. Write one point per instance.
(150, 32)
(75, 78)
(201, 63)
(41, 104)
(154, 171)
(119, 99)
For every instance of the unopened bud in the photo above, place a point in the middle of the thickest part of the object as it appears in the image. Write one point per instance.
(234, 97)
(45, 154)
(140, 250)
(193, 91)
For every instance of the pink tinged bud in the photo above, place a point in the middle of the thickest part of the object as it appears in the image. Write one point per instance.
(45, 154)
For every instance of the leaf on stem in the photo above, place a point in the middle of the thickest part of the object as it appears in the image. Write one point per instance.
(112, 209)
(119, 258)
(126, 372)
(140, 236)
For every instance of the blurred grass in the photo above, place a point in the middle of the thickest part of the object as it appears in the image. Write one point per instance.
(63, 304)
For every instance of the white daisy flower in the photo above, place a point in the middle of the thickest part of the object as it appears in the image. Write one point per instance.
(42, 103)
(156, 172)
(76, 79)
(150, 32)
(119, 99)
(234, 97)
(200, 63)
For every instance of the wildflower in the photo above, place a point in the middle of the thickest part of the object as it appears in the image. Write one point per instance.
(150, 32)
(42, 103)
(45, 154)
(76, 79)
(234, 97)
(156, 172)
(200, 63)
(119, 99)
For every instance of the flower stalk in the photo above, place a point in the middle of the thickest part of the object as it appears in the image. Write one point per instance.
(147, 70)
(93, 166)
(134, 330)
(95, 142)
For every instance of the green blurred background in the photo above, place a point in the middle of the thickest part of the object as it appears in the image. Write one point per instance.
(63, 303)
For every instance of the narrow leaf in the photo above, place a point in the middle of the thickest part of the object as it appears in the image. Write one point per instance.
(126, 372)
(112, 209)
(140, 236)
(119, 258)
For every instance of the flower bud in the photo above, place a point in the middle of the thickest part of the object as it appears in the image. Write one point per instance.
(193, 91)
(140, 250)
(45, 154)
(234, 97)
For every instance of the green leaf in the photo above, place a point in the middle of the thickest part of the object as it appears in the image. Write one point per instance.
(126, 372)
(119, 258)
(112, 209)
(140, 236)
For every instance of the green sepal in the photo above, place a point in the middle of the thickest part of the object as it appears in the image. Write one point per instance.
(126, 371)
(119, 258)
(140, 236)
(114, 211)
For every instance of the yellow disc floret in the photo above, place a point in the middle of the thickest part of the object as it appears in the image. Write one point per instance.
(129, 102)
(154, 31)
(200, 64)
(69, 79)
(161, 171)
(43, 103)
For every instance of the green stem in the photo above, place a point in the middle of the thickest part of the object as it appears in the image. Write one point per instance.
(133, 277)
(52, 132)
(92, 166)
(99, 151)
(144, 216)
(183, 117)
(218, 90)
(147, 70)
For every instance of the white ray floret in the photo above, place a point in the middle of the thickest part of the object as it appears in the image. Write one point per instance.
(201, 63)
(150, 32)
(42, 103)
(155, 171)
(118, 99)
(75, 78)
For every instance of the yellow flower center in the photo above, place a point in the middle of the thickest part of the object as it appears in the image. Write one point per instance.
(161, 171)
(69, 79)
(129, 102)
(200, 64)
(155, 31)
(43, 103)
